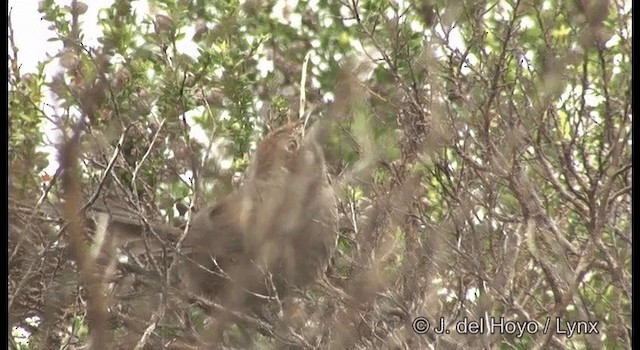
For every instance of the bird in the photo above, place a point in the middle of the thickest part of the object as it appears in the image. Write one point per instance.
(275, 233)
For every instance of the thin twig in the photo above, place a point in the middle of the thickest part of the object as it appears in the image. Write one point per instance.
(303, 85)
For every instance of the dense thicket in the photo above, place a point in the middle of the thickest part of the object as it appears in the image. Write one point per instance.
(481, 152)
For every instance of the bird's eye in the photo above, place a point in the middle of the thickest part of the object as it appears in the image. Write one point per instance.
(292, 145)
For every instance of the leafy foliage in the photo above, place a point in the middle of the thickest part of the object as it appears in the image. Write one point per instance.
(481, 150)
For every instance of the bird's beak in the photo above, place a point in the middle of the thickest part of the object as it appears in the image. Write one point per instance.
(309, 119)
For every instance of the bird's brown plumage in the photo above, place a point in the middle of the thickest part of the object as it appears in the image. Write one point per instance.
(277, 232)
(282, 222)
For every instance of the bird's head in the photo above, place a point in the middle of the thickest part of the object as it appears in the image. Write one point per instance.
(289, 151)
